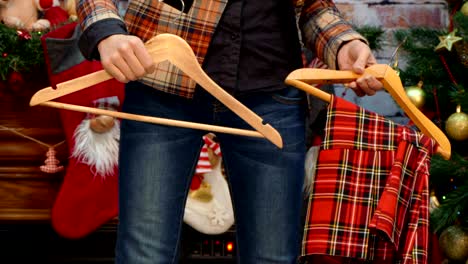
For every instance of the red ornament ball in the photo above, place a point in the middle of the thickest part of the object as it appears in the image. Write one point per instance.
(24, 35)
(15, 81)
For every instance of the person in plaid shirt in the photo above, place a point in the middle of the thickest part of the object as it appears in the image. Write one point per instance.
(247, 47)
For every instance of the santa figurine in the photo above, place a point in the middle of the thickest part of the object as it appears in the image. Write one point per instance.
(53, 15)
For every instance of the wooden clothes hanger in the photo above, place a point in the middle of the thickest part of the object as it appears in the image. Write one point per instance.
(177, 51)
(302, 78)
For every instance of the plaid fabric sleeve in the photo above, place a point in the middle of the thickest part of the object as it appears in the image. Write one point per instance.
(98, 20)
(147, 19)
(403, 212)
(324, 30)
(91, 11)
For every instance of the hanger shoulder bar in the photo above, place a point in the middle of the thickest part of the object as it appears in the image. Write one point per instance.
(394, 86)
(327, 76)
(183, 57)
(157, 51)
(69, 87)
(302, 78)
(324, 96)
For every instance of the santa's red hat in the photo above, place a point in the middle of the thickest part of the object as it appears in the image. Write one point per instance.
(46, 4)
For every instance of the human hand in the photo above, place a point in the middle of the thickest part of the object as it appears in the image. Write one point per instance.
(356, 56)
(125, 57)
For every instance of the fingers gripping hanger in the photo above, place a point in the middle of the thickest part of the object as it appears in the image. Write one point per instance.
(302, 78)
(177, 51)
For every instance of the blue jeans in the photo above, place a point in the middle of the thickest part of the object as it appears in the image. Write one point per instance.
(157, 163)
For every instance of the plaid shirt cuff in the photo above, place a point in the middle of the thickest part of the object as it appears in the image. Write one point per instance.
(98, 31)
(331, 50)
(325, 31)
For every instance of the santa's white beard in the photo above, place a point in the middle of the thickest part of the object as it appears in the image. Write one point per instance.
(100, 151)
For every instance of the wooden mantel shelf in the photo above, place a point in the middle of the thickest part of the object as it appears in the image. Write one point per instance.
(24, 215)
(27, 193)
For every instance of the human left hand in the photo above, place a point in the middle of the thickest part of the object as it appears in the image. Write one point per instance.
(356, 56)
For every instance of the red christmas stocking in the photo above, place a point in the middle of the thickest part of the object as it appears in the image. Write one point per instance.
(88, 195)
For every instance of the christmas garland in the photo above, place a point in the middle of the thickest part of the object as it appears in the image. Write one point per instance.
(20, 51)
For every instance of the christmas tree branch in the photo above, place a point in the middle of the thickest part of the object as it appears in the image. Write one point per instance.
(454, 203)
(451, 210)
(373, 34)
(20, 51)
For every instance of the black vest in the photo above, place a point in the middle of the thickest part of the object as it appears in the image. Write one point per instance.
(254, 47)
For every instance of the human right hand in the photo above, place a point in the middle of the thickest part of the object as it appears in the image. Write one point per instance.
(356, 56)
(125, 57)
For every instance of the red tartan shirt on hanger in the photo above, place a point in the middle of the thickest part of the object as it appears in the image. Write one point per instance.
(370, 195)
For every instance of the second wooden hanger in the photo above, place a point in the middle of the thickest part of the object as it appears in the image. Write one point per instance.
(303, 78)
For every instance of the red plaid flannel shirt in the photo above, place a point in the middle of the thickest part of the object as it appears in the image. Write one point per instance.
(323, 30)
(370, 195)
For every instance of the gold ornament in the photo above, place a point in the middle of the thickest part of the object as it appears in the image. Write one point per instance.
(461, 48)
(464, 9)
(102, 123)
(446, 42)
(416, 95)
(454, 243)
(456, 125)
(433, 202)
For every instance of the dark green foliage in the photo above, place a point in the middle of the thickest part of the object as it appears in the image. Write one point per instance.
(445, 89)
(373, 34)
(19, 51)
(461, 24)
(426, 64)
(450, 181)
